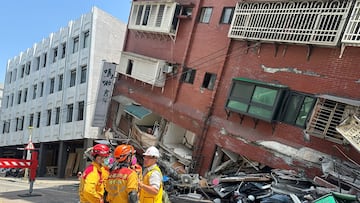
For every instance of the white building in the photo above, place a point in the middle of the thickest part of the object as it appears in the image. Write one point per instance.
(1, 93)
(51, 91)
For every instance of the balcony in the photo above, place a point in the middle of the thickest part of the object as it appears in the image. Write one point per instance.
(300, 22)
(148, 70)
(158, 17)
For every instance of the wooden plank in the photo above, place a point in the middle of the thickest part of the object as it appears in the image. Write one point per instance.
(70, 164)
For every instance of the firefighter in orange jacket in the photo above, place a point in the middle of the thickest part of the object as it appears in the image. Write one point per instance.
(91, 188)
(151, 189)
(122, 184)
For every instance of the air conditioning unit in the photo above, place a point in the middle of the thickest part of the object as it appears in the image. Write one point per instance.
(167, 68)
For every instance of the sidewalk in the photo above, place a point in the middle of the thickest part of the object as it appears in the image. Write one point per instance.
(45, 180)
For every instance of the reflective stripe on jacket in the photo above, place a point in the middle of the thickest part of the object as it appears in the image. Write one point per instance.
(119, 184)
(146, 197)
(91, 188)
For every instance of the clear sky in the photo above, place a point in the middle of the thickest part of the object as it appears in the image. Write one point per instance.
(25, 22)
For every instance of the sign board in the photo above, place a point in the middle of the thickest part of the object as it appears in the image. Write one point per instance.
(106, 86)
(350, 129)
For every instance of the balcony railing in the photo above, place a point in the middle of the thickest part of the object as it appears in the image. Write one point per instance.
(352, 31)
(300, 22)
(157, 17)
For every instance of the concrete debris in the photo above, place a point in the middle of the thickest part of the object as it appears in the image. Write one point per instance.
(340, 183)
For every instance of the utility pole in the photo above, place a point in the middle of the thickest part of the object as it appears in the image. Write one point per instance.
(28, 148)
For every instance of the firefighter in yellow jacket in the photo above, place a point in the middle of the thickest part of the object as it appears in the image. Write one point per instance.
(122, 184)
(91, 188)
(151, 188)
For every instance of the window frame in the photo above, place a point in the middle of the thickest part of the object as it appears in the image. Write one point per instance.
(248, 101)
(188, 75)
(204, 16)
(209, 81)
(222, 18)
(297, 111)
(72, 81)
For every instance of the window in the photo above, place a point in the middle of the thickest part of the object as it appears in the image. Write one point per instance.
(146, 15)
(34, 91)
(61, 78)
(72, 78)
(48, 117)
(63, 53)
(38, 119)
(12, 99)
(31, 120)
(19, 97)
(14, 75)
(27, 67)
(55, 54)
(227, 15)
(7, 126)
(75, 44)
(254, 98)
(57, 115)
(328, 113)
(70, 109)
(9, 77)
(297, 109)
(7, 101)
(80, 116)
(86, 39)
(188, 75)
(37, 63)
(22, 71)
(25, 94)
(129, 67)
(44, 60)
(21, 123)
(205, 15)
(52, 85)
(83, 74)
(209, 81)
(41, 89)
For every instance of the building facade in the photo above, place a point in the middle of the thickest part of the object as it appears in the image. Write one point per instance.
(52, 91)
(218, 83)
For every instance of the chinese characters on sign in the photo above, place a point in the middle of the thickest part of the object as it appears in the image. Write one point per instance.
(104, 93)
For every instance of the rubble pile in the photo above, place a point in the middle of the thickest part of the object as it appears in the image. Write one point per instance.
(339, 184)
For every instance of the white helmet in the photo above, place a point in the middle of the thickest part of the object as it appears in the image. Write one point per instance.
(152, 151)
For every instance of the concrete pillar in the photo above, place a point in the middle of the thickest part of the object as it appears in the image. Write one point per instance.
(42, 159)
(62, 159)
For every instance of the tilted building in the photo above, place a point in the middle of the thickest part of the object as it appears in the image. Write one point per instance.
(215, 83)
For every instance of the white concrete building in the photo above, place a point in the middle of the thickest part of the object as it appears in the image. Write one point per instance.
(1, 93)
(52, 89)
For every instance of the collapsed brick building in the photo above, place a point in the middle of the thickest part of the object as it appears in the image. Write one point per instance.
(217, 82)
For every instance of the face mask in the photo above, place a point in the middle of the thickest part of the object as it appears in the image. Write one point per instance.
(109, 161)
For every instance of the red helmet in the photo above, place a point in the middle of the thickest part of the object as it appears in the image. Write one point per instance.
(122, 152)
(101, 150)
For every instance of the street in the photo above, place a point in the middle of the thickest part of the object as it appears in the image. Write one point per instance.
(50, 190)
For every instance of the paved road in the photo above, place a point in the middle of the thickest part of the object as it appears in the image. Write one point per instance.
(48, 190)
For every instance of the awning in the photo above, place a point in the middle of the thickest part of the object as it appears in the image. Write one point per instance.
(137, 111)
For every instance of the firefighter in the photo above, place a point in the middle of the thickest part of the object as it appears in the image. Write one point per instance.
(91, 188)
(122, 184)
(151, 189)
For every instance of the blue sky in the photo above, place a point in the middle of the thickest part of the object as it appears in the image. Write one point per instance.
(25, 22)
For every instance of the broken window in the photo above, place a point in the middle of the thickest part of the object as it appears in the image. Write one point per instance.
(297, 109)
(209, 81)
(327, 115)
